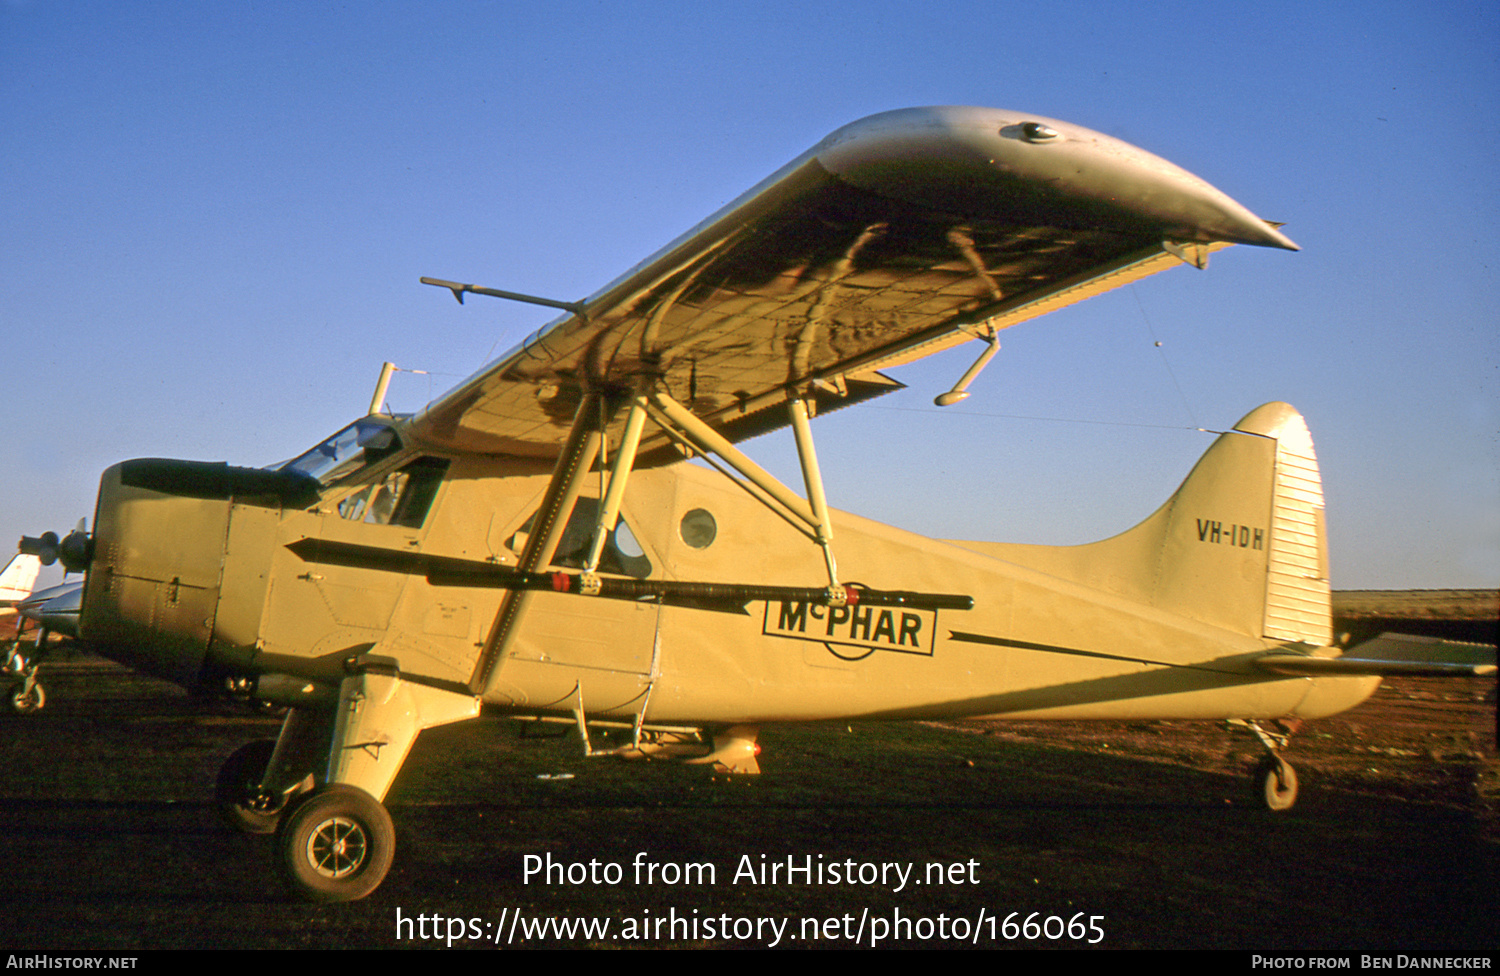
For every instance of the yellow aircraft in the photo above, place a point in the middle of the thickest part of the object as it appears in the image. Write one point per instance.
(486, 553)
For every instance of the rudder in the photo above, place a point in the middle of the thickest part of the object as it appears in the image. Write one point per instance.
(1299, 604)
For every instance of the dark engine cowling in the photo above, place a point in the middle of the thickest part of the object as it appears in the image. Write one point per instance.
(154, 579)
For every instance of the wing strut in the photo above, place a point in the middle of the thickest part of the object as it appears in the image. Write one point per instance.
(679, 421)
(573, 464)
(609, 512)
(812, 476)
(583, 448)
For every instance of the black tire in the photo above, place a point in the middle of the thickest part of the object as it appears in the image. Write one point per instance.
(335, 844)
(237, 790)
(24, 702)
(1276, 783)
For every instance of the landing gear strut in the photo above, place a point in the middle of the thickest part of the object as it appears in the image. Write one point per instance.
(243, 803)
(318, 787)
(260, 780)
(27, 695)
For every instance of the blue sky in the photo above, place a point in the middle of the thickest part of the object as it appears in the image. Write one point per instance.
(213, 217)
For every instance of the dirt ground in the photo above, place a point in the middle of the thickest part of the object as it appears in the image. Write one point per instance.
(1430, 740)
(1116, 836)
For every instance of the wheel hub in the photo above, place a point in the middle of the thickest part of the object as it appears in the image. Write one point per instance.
(262, 801)
(337, 847)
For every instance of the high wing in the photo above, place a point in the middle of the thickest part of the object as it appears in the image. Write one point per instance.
(894, 238)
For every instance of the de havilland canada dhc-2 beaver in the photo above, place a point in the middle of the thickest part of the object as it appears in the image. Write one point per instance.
(532, 543)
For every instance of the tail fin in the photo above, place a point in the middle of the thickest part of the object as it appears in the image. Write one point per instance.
(1241, 544)
(19, 578)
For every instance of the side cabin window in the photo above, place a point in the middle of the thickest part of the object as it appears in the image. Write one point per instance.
(622, 556)
(403, 497)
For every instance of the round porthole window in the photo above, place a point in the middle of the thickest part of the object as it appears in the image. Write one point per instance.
(699, 529)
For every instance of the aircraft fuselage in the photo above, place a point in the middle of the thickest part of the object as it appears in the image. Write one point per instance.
(219, 584)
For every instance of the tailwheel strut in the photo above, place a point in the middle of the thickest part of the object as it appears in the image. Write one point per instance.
(1275, 779)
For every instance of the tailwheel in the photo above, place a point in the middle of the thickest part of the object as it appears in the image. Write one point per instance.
(243, 803)
(336, 844)
(26, 697)
(1276, 783)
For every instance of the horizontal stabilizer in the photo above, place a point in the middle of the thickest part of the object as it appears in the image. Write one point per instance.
(1392, 654)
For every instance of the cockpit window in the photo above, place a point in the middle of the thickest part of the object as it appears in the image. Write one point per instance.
(351, 448)
(402, 497)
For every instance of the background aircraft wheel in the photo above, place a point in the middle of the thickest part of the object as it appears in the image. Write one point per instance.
(237, 789)
(336, 844)
(1276, 783)
(24, 702)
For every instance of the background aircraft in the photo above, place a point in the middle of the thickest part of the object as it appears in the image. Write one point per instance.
(17, 580)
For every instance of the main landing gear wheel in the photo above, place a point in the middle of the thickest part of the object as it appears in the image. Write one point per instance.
(237, 791)
(336, 844)
(1276, 783)
(24, 701)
